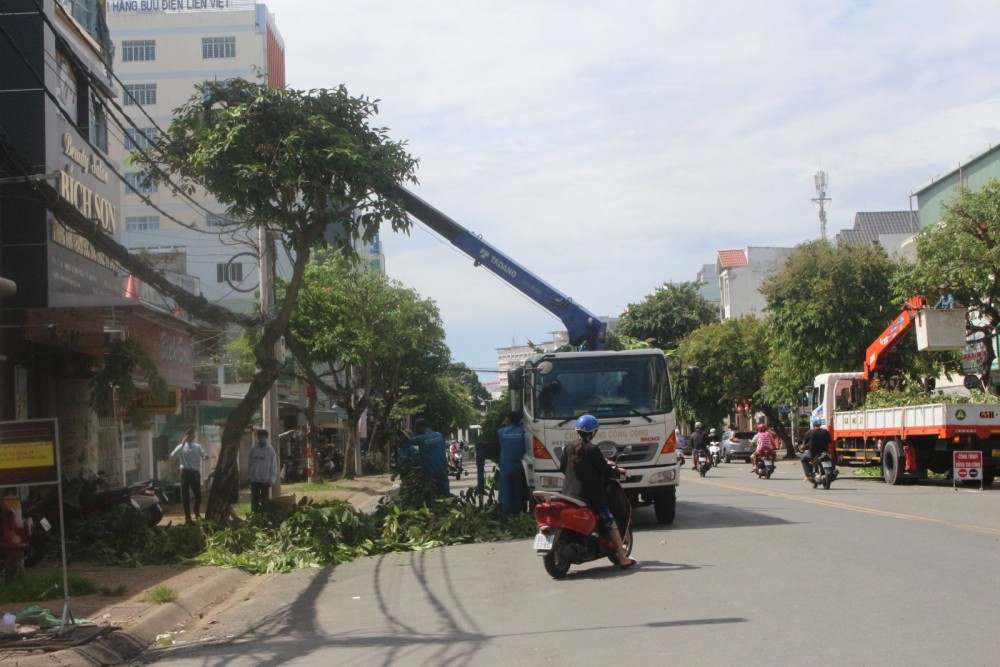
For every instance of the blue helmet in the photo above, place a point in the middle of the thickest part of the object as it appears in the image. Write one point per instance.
(587, 425)
(815, 421)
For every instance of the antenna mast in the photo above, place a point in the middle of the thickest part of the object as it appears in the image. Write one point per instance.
(822, 179)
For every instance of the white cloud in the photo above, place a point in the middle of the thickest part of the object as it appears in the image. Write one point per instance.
(610, 147)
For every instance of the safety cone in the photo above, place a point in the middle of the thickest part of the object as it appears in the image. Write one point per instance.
(131, 290)
(178, 313)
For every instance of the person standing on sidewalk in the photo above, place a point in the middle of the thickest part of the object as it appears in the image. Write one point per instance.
(190, 455)
(262, 471)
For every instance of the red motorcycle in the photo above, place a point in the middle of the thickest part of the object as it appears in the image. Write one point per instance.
(568, 530)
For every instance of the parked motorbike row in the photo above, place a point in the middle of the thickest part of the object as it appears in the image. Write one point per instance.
(84, 497)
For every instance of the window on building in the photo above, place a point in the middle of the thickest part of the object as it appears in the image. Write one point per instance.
(98, 133)
(229, 272)
(136, 183)
(141, 139)
(218, 47)
(138, 49)
(142, 223)
(140, 93)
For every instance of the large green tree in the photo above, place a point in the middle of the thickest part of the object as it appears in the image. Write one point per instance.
(964, 252)
(290, 162)
(358, 335)
(667, 315)
(733, 356)
(824, 309)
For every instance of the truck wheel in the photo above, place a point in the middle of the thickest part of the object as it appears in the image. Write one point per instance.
(893, 463)
(665, 506)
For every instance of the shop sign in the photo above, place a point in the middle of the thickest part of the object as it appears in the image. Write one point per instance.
(147, 402)
(28, 452)
(171, 350)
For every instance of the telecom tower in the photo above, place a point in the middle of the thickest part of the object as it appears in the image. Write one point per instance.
(821, 179)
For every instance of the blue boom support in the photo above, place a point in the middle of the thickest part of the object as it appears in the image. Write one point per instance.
(585, 329)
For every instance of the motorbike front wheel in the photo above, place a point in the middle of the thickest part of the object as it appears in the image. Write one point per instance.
(555, 564)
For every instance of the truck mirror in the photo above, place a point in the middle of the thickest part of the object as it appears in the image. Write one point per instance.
(515, 379)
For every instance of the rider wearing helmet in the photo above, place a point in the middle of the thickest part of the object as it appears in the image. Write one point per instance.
(699, 441)
(816, 441)
(587, 474)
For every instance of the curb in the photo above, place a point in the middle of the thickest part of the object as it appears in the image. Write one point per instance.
(130, 642)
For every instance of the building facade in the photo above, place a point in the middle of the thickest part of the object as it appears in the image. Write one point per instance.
(741, 275)
(70, 306)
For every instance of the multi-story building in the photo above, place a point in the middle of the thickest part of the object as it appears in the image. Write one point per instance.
(890, 229)
(70, 308)
(161, 55)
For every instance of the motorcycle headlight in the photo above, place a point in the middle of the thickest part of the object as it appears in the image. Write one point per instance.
(549, 482)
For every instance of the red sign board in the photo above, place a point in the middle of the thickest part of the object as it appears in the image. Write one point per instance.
(968, 466)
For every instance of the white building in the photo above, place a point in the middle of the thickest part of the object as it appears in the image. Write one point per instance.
(741, 274)
(163, 49)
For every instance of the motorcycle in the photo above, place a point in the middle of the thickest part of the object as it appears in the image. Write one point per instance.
(455, 464)
(823, 471)
(765, 465)
(703, 462)
(568, 530)
(715, 452)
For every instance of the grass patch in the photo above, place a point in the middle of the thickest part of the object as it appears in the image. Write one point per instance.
(868, 471)
(161, 595)
(49, 586)
(302, 487)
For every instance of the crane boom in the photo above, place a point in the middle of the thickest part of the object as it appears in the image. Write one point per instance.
(584, 328)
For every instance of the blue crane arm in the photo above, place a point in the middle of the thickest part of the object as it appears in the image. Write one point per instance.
(584, 329)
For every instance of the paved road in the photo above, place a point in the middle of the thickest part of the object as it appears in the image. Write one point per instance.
(754, 572)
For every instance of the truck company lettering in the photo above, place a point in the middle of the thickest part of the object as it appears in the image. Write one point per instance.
(499, 263)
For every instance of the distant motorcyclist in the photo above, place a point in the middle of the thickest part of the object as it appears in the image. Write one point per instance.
(587, 474)
(699, 442)
(764, 443)
(816, 442)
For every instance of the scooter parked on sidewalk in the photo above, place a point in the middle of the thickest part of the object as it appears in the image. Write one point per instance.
(569, 531)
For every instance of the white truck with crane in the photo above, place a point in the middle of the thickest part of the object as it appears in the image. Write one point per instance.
(629, 392)
(907, 441)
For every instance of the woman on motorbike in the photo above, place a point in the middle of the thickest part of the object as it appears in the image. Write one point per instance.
(765, 446)
(587, 474)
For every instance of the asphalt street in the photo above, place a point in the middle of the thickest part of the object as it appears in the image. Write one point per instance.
(753, 572)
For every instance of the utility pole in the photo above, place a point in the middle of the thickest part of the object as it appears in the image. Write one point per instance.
(269, 406)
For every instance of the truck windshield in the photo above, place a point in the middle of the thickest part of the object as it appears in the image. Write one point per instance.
(604, 386)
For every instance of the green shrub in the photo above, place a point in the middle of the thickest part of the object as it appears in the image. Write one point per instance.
(49, 586)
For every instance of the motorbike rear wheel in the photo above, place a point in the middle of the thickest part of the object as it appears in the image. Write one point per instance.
(154, 514)
(555, 564)
(826, 482)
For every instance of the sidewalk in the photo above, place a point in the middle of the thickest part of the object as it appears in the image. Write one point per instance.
(126, 625)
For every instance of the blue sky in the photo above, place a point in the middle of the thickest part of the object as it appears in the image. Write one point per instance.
(609, 147)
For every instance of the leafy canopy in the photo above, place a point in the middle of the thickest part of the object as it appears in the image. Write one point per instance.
(667, 315)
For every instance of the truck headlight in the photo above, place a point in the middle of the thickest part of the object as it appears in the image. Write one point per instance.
(549, 482)
(663, 476)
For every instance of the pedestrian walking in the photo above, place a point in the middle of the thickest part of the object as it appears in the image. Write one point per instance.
(513, 495)
(262, 471)
(190, 455)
